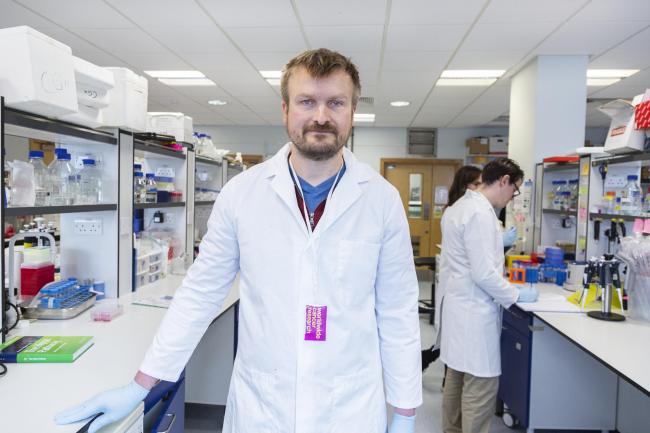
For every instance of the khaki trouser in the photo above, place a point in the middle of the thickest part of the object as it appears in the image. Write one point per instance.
(468, 402)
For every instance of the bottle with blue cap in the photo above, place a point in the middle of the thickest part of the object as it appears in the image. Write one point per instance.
(41, 176)
(63, 189)
(631, 196)
(90, 183)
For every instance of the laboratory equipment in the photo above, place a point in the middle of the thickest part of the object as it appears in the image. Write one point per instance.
(36, 72)
(177, 125)
(106, 311)
(165, 185)
(41, 178)
(559, 199)
(59, 300)
(128, 105)
(635, 252)
(151, 188)
(90, 183)
(575, 276)
(631, 196)
(22, 184)
(63, 180)
(139, 188)
(605, 273)
(15, 289)
(573, 194)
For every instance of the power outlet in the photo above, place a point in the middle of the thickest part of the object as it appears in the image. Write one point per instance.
(169, 217)
(615, 181)
(88, 227)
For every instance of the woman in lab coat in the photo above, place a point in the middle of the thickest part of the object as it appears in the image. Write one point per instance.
(475, 290)
(328, 324)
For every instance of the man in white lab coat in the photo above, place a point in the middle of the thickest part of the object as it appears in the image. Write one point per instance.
(328, 329)
(475, 290)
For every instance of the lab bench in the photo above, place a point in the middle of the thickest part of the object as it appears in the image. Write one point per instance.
(34, 393)
(569, 371)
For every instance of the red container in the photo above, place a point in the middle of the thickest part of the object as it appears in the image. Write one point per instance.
(34, 277)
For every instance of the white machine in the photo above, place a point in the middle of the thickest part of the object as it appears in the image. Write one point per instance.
(36, 72)
(128, 105)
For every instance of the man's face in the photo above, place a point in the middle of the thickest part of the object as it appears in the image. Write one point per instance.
(319, 114)
(508, 190)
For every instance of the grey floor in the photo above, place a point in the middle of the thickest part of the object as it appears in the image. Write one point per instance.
(203, 419)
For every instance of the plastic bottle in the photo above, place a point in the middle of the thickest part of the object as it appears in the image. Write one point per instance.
(631, 196)
(90, 183)
(41, 176)
(139, 188)
(151, 189)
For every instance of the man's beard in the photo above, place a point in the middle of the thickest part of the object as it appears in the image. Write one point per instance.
(322, 149)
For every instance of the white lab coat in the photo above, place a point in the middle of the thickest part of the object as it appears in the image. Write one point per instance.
(361, 256)
(474, 288)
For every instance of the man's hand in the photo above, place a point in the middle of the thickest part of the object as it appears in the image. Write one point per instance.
(402, 424)
(115, 404)
(528, 294)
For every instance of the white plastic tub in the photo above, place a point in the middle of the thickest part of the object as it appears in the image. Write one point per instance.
(176, 124)
(127, 108)
(36, 72)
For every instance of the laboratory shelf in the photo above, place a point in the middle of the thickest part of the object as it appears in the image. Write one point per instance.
(621, 159)
(204, 202)
(609, 216)
(158, 205)
(21, 123)
(157, 149)
(569, 166)
(201, 160)
(49, 210)
(560, 212)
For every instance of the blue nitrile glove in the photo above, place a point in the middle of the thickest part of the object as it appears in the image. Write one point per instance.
(402, 424)
(509, 237)
(528, 294)
(115, 404)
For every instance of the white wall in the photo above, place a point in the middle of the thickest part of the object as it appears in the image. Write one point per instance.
(370, 143)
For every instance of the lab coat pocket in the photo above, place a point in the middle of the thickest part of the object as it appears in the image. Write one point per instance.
(357, 404)
(356, 271)
(253, 411)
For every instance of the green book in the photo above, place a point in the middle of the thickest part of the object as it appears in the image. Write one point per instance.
(44, 349)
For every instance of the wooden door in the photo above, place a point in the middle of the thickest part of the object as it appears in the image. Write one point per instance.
(423, 186)
(413, 181)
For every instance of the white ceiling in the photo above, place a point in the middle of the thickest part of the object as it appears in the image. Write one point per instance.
(400, 47)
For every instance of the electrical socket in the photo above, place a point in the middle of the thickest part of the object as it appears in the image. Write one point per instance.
(169, 217)
(615, 181)
(88, 227)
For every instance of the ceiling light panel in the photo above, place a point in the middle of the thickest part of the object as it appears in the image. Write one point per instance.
(271, 74)
(602, 81)
(610, 73)
(400, 103)
(274, 81)
(472, 73)
(187, 81)
(175, 74)
(364, 117)
(465, 81)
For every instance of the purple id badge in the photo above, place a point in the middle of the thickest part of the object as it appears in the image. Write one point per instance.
(315, 323)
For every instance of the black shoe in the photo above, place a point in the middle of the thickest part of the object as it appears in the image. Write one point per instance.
(429, 355)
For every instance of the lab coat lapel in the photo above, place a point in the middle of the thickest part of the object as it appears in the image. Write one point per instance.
(280, 178)
(347, 192)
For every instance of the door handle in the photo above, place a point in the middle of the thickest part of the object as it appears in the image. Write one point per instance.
(426, 210)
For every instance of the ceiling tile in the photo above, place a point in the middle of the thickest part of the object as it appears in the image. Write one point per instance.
(486, 59)
(153, 61)
(270, 60)
(251, 13)
(515, 11)
(342, 12)
(192, 39)
(424, 38)
(456, 97)
(627, 54)
(514, 36)
(617, 91)
(123, 40)
(418, 12)
(605, 10)
(267, 38)
(14, 14)
(588, 37)
(162, 13)
(346, 38)
(79, 13)
(426, 62)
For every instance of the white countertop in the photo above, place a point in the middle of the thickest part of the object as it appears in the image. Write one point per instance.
(622, 346)
(31, 394)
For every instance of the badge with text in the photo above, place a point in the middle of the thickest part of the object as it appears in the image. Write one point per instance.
(315, 323)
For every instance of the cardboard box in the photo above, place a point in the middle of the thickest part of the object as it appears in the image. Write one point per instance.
(477, 145)
(498, 145)
(622, 136)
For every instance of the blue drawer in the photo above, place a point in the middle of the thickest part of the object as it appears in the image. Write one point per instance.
(516, 318)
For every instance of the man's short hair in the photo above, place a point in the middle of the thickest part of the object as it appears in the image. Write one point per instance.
(320, 63)
(495, 170)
